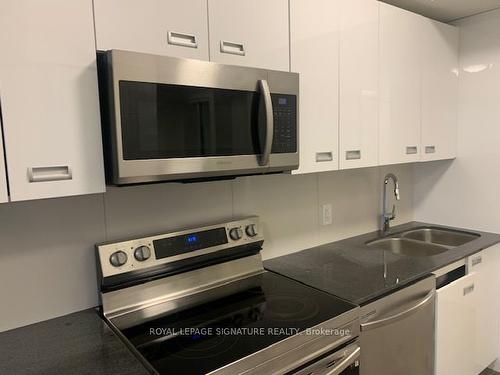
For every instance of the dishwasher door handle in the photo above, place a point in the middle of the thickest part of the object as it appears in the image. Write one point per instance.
(398, 316)
(345, 363)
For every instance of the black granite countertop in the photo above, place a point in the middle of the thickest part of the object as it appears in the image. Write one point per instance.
(350, 270)
(79, 343)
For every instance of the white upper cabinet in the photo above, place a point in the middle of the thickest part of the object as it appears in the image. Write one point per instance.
(359, 91)
(4, 194)
(162, 27)
(314, 54)
(249, 32)
(49, 98)
(400, 85)
(439, 90)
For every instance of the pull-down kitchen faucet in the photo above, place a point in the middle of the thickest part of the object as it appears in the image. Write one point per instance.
(388, 216)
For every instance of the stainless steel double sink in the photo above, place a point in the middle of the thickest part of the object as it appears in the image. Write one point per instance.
(423, 241)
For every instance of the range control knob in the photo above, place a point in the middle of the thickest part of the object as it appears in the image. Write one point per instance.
(118, 258)
(142, 253)
(251, 230)
(235, 234)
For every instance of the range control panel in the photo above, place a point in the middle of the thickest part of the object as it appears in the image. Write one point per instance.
(142, 253)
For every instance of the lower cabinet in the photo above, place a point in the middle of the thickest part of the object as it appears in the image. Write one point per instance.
(467, 317)
(455, 327)
(485, 265)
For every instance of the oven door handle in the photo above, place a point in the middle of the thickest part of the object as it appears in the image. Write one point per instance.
(401, 315)
(268, 105)
(345, 363)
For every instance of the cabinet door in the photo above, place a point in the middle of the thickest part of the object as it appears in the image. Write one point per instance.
(314, 48)
(249, 32)
(50, 109)
(162, 27)
(486, 265)
(4, 195)
(439, 90)
(456, 315)
(400, 71)
(359, 83)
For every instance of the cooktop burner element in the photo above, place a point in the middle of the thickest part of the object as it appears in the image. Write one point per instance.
(221, 313)
(293, 308)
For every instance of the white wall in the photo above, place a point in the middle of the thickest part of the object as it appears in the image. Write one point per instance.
(466, 192)
(47, 266)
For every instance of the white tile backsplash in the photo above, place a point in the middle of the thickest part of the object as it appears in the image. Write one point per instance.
(356, 196)
(143, 210)
(47, 266)
(287, 206)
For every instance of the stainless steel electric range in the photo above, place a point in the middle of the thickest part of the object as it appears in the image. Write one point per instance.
(198, 301)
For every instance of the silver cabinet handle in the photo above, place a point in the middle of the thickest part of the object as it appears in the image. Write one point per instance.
(181, 39)
(232, 48)
(268, 104)
(41, 174)
(468, 289)
(346, 362)
(353, 155)
(477, 260)
(410, 150)
(324, 156)
(430, 149)
(401, 315)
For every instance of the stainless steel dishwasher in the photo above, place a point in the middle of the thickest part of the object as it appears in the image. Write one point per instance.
(397, 332)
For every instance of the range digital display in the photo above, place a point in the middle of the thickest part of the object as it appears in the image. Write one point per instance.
(185, 243)
(192, 239)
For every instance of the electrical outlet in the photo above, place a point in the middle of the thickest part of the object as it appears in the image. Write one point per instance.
(326, 218)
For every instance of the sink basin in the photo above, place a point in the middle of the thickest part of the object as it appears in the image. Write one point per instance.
(444, 237)
(405, 246)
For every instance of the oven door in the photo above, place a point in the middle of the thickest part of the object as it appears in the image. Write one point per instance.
(343, 361)
(178, 119)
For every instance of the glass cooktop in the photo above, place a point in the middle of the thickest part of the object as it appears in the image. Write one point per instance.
(209, 336)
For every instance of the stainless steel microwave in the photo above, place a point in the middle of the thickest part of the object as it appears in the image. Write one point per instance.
(171, 119)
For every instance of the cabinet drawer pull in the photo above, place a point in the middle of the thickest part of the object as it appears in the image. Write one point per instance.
(232, 48)
(410, 150)
(324, 156)
(41, 174)
(353, 155)
(468, 289)
(477, 260)
(430, 149)
(181, 39)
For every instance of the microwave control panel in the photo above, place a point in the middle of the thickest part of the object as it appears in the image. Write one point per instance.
(285, 123)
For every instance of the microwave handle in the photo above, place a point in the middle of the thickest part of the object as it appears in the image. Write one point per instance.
(268, 105)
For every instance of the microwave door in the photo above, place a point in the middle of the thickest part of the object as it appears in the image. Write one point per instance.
(205, 130)
(203, 107)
